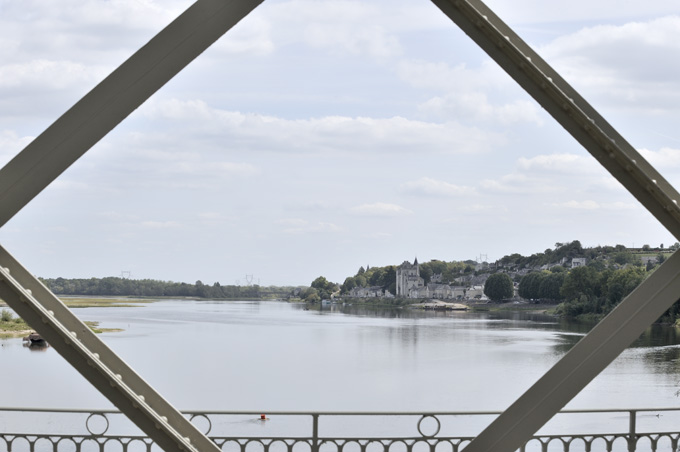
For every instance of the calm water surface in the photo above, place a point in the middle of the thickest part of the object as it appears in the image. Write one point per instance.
(277, 356)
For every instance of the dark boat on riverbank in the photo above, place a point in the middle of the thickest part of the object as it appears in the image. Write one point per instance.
(34, 339)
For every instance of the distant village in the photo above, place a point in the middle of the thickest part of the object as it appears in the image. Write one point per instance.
(411, 285)
(466, 281)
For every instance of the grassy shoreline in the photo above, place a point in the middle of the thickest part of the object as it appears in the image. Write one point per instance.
(12, 326)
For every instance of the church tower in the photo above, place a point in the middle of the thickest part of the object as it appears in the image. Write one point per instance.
(408, 279)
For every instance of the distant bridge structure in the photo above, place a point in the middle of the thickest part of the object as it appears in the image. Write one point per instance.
(146, 71)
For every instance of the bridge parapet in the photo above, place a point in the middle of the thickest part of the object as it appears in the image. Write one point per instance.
(29, 429)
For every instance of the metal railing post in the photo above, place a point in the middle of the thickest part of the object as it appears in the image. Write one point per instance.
(632, 436)
(315, 433)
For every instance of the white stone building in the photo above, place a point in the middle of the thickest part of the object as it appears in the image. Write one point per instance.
(578, 262)
(409, 282)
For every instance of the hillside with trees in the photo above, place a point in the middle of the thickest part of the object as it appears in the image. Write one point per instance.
(581, 282)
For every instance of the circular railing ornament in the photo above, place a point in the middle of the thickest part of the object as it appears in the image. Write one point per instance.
(92, 418)
(193, 416)
(438, 424)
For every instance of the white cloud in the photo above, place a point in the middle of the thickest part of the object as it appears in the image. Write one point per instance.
(630, 65)
(374, 41)
(251, 36)
(594, 205)
(664, 158)
(549, 13)
(292, 222)
(11, 144)
(551, 173)
(347, 27)
(297, 226)
(475, 106)
(160, 224)
(48, 75)
(518, 183)
(426, 186)
(380, 209)
(197, 121)
(559, 163)
(465, 93)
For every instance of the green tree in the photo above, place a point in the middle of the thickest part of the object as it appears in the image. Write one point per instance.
(323, 287)
(529, 285)
(549, 287)
(580, 281)
(498, 287)
(378, 277)
(348, 285)
(624, 257)
(621, 283)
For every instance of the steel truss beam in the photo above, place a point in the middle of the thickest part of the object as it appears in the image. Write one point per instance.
(165, 55)
(642, 307)
(118, 95)
(51, 153)
(568, 108)
(95, 361)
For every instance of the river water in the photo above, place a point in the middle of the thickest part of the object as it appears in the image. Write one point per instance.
(209, 355)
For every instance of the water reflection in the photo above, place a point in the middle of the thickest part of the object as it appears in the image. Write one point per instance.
(277, 356)
(36, 346)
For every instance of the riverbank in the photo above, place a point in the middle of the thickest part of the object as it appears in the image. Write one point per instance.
(538, 308)
(100, 302)
(12, 326)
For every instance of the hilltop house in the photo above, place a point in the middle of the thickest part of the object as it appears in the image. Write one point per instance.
(578, 262)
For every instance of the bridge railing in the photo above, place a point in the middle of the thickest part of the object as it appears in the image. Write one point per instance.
(56, 430)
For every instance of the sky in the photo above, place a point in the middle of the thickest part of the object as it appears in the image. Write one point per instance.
(316, 137)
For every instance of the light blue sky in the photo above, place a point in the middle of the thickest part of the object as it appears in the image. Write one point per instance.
(319, 136)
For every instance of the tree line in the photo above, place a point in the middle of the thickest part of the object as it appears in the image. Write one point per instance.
(114, 286)
(589, 291)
